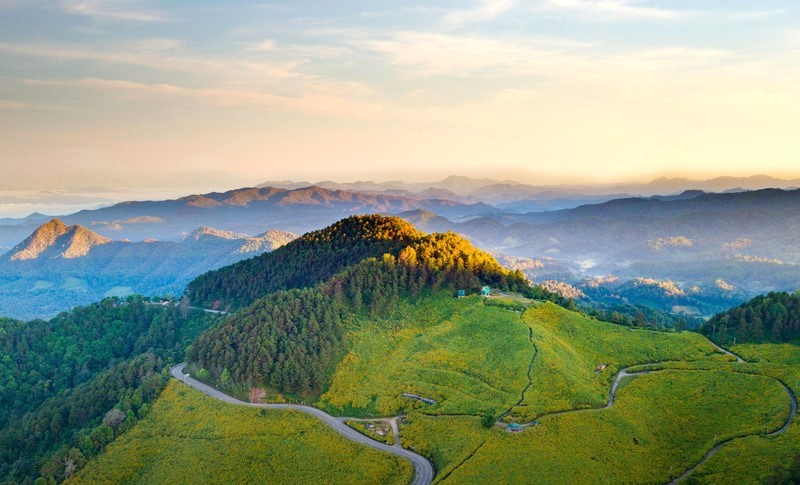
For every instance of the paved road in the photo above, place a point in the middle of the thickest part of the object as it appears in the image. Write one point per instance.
(725, 351)
(423, 470)
(623, 374)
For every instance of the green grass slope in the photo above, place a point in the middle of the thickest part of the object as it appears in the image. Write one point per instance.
(191, 438)
(661, 424)
(446, 440)
(470, 358)
(570, 347)
(753, 459)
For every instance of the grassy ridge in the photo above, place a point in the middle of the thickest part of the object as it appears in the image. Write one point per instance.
(470, 358)
(571, 346)
(191, 438)
(661, 424)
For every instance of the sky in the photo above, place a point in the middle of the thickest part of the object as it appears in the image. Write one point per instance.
(137, 95)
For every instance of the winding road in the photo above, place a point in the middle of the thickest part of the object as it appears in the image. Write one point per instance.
(792, 413)
(423, 470)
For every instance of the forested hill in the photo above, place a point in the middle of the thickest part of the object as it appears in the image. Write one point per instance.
(292, 340)
(771, 318)
(304, 262)
(70, 385)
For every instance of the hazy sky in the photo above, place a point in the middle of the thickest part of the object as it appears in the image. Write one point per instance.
(133, 93)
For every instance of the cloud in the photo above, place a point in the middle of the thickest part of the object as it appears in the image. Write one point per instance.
(300, 51)
(528, 60)
(131, 10)
(757, 15)
(164, 55)
(348, 100)
(432, 54)
(485, 10)
(613, 9)
(14, 105)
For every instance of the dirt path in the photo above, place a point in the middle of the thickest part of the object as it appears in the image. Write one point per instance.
(712, 451)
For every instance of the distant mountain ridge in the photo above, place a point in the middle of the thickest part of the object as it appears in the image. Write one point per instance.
(242, 211)
(546, 197)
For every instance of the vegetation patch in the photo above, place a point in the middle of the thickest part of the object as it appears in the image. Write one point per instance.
(660, 425)
(514, 305)
(571, 346)
(191, 438)
(469, 358)
(446, 440)
(767, 318)
(377, 430)
(755, 459)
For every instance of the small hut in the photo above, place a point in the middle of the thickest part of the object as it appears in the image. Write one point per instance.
(513, 428)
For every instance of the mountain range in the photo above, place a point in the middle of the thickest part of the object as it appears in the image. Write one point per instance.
(748, 240)
(58, 267)
(523, 197)
(691, 239)
(246, 210)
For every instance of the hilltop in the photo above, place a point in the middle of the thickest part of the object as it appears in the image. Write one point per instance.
(55, 240)
(306, 261)
(363, 264)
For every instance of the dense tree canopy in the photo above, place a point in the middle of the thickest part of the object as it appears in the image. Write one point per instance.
(59, 378)
(305, 262)
(771, 318)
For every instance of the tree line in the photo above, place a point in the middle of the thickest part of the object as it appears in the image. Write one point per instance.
(774, 318)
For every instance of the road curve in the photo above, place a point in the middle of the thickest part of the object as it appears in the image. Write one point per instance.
(739, 360)
(719, 445)
(712, 451)
(423, 470)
